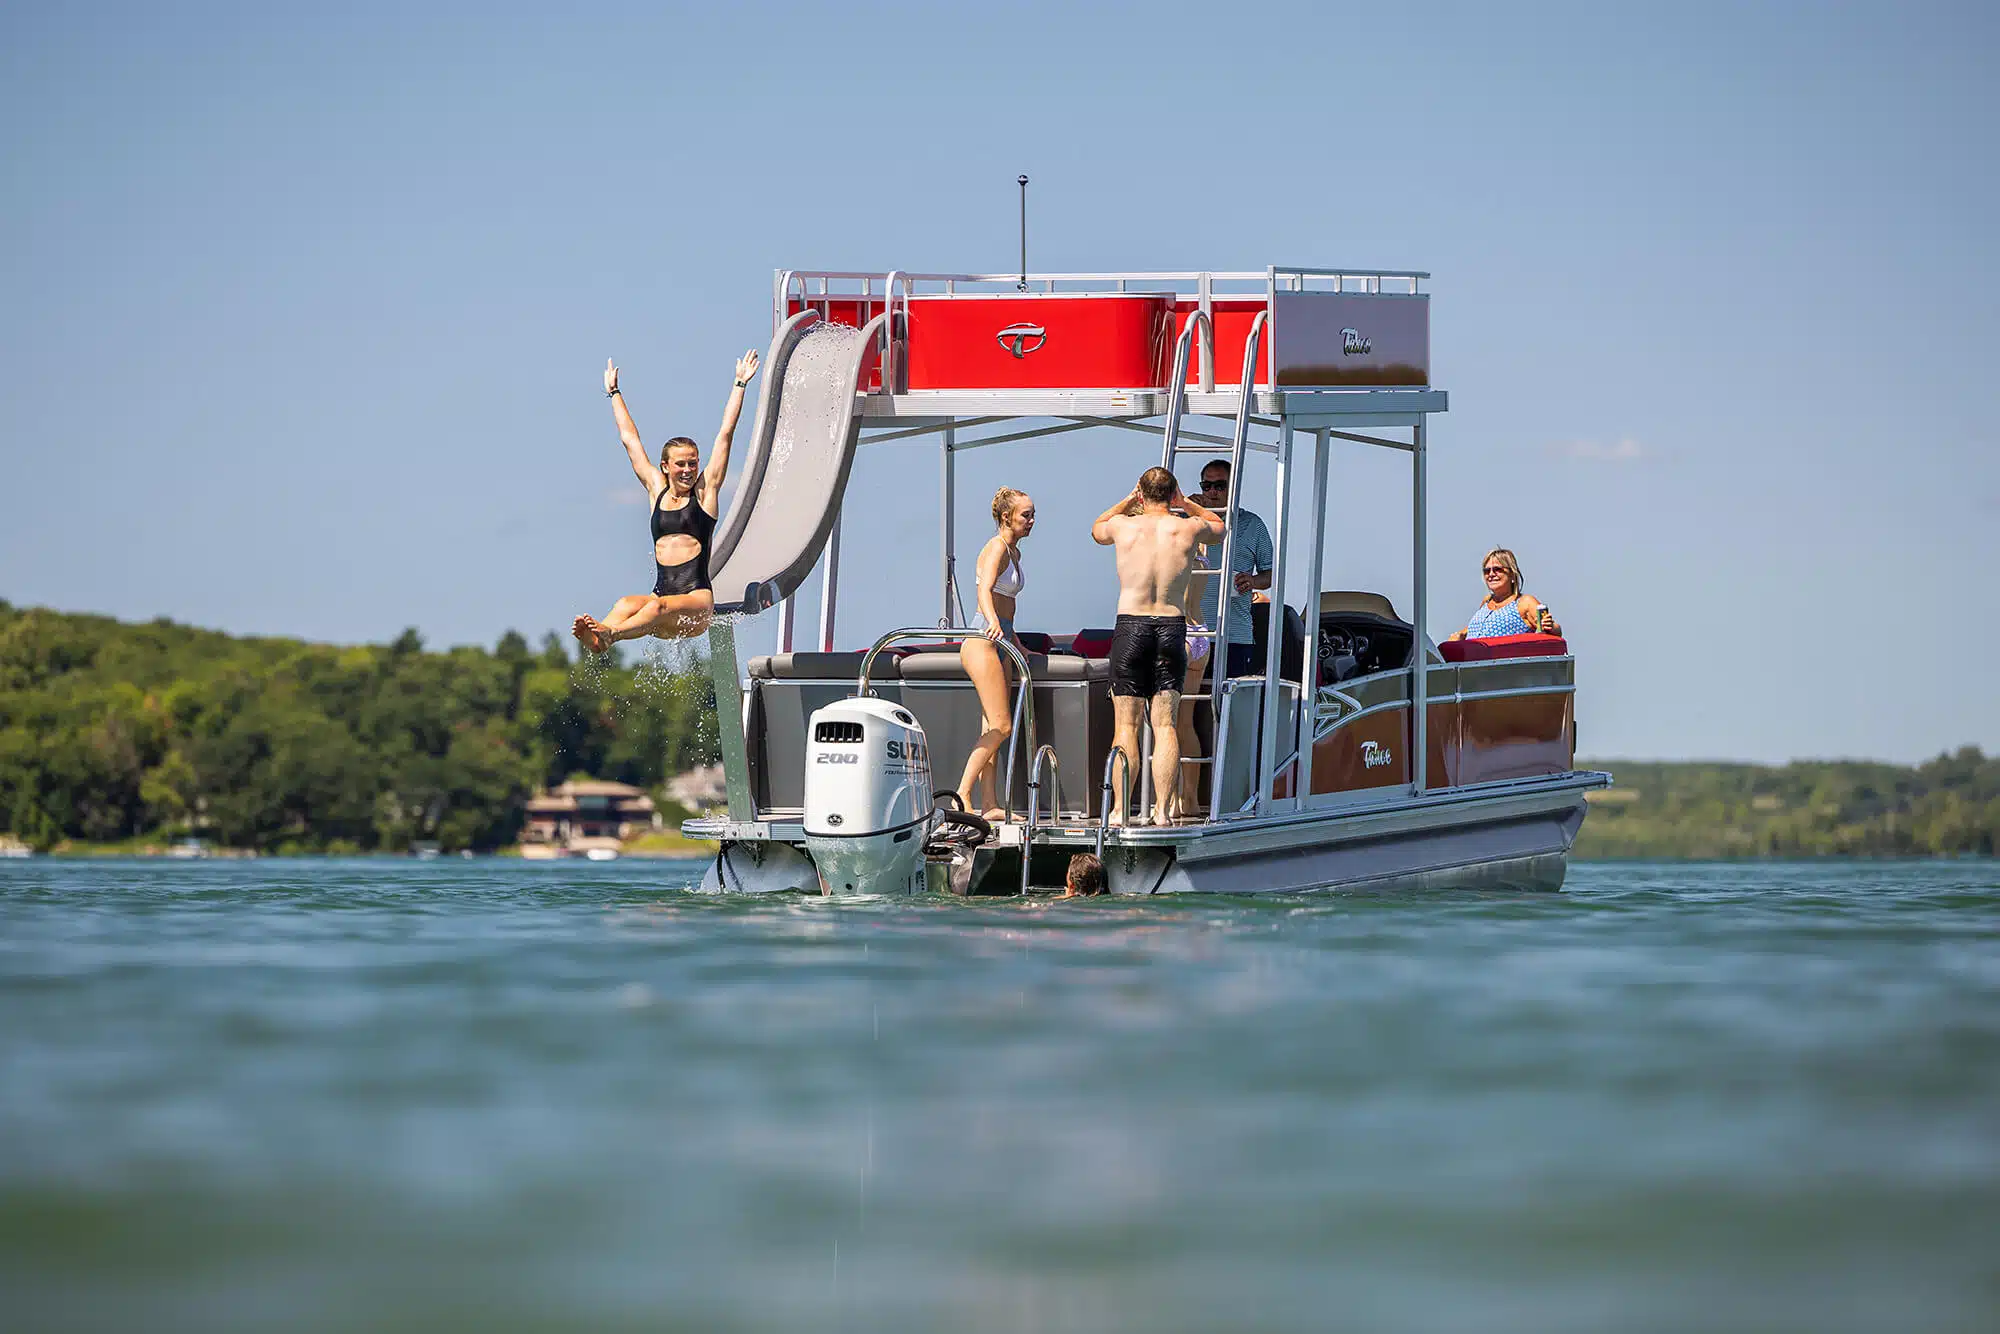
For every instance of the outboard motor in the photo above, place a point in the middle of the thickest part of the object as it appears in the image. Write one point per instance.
(867, 797)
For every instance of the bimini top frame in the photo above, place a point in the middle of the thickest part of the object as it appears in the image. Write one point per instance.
(1334, 353)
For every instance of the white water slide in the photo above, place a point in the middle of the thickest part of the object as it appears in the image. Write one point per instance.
(795, 471)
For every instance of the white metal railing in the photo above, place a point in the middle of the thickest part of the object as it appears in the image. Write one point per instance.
(1024, 699)
(874, 286)
(1298, 278)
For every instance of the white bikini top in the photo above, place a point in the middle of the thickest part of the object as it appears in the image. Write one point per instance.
(1010, 581)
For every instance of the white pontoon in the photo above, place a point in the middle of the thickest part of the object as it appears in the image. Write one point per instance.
(1338, 763)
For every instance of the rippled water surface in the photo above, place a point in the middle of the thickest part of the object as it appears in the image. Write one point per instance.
(496, 1096)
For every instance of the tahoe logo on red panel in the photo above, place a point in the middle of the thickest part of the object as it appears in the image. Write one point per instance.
(1021, 339)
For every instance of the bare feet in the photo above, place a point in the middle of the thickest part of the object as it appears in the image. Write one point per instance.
(992, 815)
(580, 627)
(591, 634)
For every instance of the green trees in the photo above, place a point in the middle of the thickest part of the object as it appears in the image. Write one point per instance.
(1811, 808)
(111, 731)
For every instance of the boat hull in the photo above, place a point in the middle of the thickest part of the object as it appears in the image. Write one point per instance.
(1514, 837)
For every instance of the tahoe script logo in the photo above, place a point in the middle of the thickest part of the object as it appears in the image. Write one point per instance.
(1374, 755)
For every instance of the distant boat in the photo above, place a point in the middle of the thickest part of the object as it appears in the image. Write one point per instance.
(602, 854)
(16, 850)
(188, 848)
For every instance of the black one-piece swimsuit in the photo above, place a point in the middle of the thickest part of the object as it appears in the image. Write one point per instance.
(690, 520)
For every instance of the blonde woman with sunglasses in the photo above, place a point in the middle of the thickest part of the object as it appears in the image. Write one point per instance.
(1507, 610)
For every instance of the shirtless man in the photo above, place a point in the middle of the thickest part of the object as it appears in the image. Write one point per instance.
(1156, 551)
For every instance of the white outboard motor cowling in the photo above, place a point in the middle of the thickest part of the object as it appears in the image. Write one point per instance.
(867, 797)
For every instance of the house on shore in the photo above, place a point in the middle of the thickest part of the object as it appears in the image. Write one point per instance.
(701, 789)
(586, 816)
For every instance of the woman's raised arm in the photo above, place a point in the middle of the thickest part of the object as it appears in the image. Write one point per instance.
(718, 454)
(628, 434)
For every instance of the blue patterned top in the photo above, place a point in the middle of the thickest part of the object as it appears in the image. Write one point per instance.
(1493, 622)
(1253, 555)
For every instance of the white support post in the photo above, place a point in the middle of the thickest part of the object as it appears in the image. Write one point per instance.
(1420, 666)
(788, 613)
(950, 518)
(829, 588)
(1308, 731)
(1268, 750)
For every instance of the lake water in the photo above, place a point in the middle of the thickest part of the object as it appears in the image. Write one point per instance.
(486, 1095)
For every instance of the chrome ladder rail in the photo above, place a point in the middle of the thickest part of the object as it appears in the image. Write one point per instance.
(1034, 804)
(1218, 677)
(1177, 388)
(1024, 703)
(1118, 756)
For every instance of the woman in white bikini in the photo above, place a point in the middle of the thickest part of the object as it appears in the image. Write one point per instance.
(1000, 583)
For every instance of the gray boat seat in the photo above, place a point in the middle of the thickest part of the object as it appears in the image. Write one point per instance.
(823, 666)
(946, 666)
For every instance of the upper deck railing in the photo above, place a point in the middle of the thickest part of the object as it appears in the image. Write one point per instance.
(813, 285)
(1324, 327)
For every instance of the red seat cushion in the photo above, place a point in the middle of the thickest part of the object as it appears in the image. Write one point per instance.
(1091, 643)
(1503, 646)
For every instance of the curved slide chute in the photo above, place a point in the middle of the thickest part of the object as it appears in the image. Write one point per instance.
(801, 451)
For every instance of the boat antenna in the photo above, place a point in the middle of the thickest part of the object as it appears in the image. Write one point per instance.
(1022, 181)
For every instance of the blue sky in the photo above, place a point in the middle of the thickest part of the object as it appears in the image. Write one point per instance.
(302, 312)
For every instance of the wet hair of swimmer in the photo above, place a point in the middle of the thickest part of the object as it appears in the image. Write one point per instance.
(1086, 874)
(1157, 486)
(678, 442)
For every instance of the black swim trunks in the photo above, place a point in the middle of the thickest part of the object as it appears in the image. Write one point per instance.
(1148, 655)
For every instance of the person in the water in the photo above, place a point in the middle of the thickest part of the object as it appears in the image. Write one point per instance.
(685, 500)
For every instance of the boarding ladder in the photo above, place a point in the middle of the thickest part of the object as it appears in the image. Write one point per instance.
(1199, 323)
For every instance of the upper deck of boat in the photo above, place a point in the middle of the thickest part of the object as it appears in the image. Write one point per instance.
(1306, 409)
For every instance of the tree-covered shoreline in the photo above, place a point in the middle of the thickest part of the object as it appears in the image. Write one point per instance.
(113, 732)
(1948, 806)
(118, 734)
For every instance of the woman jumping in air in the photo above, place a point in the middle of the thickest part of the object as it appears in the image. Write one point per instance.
(685, 499)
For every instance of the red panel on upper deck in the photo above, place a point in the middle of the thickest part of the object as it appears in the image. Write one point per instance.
(1098, 340)
(1229, 319)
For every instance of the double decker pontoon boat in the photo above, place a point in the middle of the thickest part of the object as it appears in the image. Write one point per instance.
(1358, 754)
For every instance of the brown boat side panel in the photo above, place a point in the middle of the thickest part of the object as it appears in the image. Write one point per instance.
(1371, 751)
(1519, 736)
(1441, 741)
(1468, 740)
